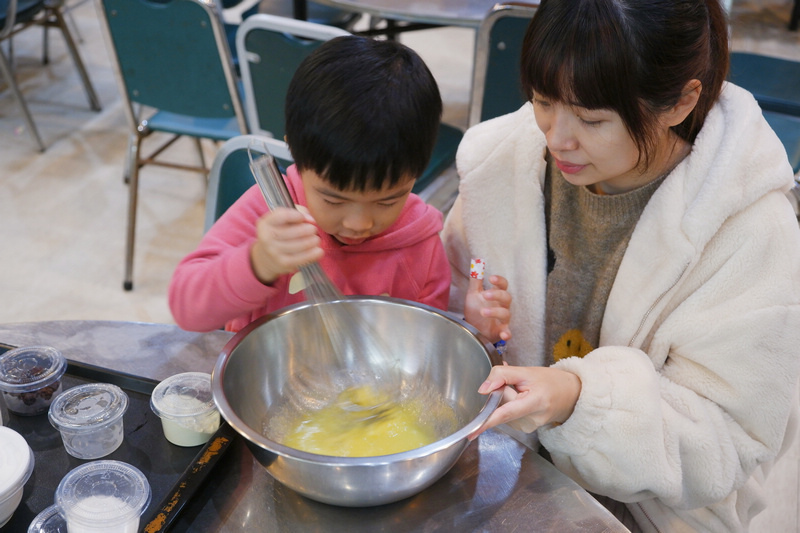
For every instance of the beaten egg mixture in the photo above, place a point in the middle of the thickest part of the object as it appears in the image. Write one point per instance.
(362, 422)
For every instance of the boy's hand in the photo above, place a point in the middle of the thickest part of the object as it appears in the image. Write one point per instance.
(489, 309)
(286, 239)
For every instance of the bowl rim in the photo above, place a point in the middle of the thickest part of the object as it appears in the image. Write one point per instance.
(257, 439)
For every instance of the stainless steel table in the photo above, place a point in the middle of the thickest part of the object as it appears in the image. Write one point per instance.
(497, 485)
(468, 13)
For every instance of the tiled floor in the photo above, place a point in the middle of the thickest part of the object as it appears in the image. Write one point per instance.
(62, 213)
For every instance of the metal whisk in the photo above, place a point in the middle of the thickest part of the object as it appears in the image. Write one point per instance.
(346, 334)
(268, 176)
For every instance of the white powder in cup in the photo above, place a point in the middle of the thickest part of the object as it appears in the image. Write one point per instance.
(79, 516)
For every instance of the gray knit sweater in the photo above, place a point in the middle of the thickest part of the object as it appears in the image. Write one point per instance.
(587, 236)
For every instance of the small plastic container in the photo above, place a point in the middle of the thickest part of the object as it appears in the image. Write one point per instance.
(89, 418)
(185, 405)
(16, 466)
(49, 520)
(103, 497)
(30, 378)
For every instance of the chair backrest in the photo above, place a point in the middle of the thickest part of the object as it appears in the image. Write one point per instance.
(774, 81)
(230, 175)
(17, 11)
(172, 55)
(787, 128)
(495, 84)
(270, 48)
(8, 12)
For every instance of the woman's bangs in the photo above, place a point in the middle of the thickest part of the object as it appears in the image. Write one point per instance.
(577, 65)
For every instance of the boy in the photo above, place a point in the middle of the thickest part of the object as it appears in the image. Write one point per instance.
(362, 118)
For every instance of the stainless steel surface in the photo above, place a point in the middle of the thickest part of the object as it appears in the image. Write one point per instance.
(497, 485)
(255, 376)
(442, 12)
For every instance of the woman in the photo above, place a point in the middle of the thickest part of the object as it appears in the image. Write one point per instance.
(636, 210)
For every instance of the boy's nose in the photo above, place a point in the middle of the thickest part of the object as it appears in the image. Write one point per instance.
(358, 221)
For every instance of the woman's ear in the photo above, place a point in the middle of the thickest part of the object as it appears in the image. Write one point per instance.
(685, 104)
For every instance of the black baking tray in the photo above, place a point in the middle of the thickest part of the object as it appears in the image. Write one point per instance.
(174, 472)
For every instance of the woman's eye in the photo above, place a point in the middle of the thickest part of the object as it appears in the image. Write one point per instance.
(591, 122)
(387, 204)
(332, 202)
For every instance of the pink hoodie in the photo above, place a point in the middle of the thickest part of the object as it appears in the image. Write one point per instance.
(215, 284)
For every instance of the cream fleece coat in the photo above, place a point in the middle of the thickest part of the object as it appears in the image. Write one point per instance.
(687, 400)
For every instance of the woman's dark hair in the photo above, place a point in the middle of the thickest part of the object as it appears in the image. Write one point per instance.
(634, 57)
(363, 113)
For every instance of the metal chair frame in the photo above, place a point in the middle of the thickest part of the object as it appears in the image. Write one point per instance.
(192, 93)
(48, 14)
(230, 174)
(495, 86)
(302, 37)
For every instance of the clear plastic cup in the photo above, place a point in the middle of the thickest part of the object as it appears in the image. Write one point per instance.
(89, 418)
(49, 520)
(16, 466)
(103, 497)
(185, 405)
(30, 378)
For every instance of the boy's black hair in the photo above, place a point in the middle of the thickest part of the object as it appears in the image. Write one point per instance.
(363, 113)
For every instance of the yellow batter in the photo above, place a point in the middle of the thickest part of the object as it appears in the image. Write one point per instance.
(362, 423)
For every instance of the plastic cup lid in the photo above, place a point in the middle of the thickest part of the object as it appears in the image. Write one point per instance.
(30, 367)
(16, 461)
(103, 492)
(90, 405)
(49, 521)
(183, 395)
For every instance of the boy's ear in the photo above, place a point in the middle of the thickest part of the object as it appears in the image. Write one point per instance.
(686, 103)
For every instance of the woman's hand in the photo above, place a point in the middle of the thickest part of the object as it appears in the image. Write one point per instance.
(286, 239)
(489, 309)
(532, 396)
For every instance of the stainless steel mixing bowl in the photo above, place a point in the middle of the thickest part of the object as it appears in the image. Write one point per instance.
(259, 367)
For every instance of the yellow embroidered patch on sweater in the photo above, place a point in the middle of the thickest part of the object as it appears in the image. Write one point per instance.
(571, 344)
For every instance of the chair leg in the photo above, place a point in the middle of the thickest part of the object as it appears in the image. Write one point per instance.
(130, 157)
(133, 194)
(45, 45)
(795, 17)
(8, 74)
(199, 146)
(94, 101)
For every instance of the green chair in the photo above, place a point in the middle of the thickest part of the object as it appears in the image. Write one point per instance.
(774, 81)
(787, 127)
(316, 12)
(298, 9)
(495, 83)
(270, 49)
(174, 69)
(230, 175)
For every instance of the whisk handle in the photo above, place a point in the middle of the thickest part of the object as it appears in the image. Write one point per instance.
(270, 181)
